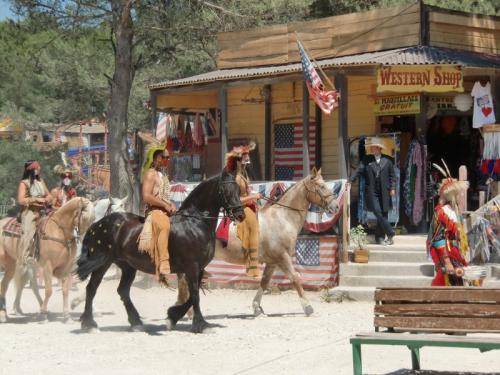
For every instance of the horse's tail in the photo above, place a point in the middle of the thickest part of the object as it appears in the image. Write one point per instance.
(92, 258)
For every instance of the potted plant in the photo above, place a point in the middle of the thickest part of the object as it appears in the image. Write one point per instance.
(358, 238)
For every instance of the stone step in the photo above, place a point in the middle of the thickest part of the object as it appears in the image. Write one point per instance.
(391, 255)
(387, 269)
(387, 281)
(398, 247)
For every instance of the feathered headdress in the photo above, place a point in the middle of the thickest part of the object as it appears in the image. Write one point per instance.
(150, 151)
(450, 188)
(237, 153)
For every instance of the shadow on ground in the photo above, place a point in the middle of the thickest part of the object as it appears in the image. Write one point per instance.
(430, 372)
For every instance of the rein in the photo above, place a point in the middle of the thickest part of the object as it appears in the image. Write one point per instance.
(282, 205)
(226, 206)
(308, 191)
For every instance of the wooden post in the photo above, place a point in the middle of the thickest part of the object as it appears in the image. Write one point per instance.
(346, 224)
(306, 167)
(267, 132)
(223, 118)
(343, 160)
(319, 125)
(343, 144)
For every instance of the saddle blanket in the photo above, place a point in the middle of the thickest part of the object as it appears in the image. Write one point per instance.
(12, 228)
(222, 232)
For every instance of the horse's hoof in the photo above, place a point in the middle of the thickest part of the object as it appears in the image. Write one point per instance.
(308, 310)
(75, 303)
(43, 318)
(137, 328)
(66, 318)
(200, 327)
(92, 330)
(170, 324)
(88, 324)
(3, 316)
(258, 310)
(18, 311)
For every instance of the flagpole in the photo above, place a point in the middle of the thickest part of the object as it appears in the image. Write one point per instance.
(314, 60)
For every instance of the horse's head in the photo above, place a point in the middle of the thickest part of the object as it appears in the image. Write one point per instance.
(229, 197)
(84, 216)
(318, 193)
(117, 204)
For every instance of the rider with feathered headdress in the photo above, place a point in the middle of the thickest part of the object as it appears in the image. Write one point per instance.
(447, 240)
(158, 207)
(248, 230)
(65, 191)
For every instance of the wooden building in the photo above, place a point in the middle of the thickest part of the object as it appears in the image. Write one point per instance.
(259, 85)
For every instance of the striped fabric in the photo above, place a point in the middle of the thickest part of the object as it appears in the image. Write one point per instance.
(161, 127)
(287, 152)
(316, 261)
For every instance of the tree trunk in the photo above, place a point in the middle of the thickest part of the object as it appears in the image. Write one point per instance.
(123, 32)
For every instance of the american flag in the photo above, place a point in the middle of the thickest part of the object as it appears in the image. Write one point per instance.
(161, 127)
(315, 260)
(326, 100)
(288, 150)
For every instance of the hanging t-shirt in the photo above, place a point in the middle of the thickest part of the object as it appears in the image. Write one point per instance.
(483, 105)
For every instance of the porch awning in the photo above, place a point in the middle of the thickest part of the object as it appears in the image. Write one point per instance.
(416, 55)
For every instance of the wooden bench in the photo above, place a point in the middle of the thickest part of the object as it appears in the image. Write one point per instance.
(432, 311)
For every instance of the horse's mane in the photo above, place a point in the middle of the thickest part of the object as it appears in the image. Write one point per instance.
(288, 189)
(198, 191)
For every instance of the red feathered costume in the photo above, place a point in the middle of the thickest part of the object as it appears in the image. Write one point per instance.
(447, 242)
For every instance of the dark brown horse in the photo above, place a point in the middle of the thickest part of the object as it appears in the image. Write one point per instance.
(191, 245)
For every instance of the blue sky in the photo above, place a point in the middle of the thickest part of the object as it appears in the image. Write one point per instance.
(4, 10)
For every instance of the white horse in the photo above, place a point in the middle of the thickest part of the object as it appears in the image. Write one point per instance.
(104, 207)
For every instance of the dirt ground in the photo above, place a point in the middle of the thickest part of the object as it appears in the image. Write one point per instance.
(283, 342)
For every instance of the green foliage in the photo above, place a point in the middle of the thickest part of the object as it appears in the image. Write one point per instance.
(55, 69)
(13, 155)
(358, 237)
(49, 75)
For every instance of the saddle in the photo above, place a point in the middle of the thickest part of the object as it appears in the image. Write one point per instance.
(13, 229)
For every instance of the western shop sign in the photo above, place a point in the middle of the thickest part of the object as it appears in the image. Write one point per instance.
(396, 104)
(418, 78)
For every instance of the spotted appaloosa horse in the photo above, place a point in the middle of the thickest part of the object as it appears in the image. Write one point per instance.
(191, 245)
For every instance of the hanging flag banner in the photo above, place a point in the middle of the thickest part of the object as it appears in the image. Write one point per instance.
(396, 104)
(419, 78)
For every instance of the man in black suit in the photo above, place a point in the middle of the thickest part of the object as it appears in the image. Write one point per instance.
(380, 187)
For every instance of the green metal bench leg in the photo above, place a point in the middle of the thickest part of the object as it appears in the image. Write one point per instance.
(356, 359)
(415, 357)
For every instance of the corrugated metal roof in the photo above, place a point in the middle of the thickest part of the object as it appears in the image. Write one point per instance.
(416, 55)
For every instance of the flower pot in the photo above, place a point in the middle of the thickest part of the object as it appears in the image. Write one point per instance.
(361, 255)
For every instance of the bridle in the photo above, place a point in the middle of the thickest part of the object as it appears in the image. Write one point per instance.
(76, 228)
(324, 200)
